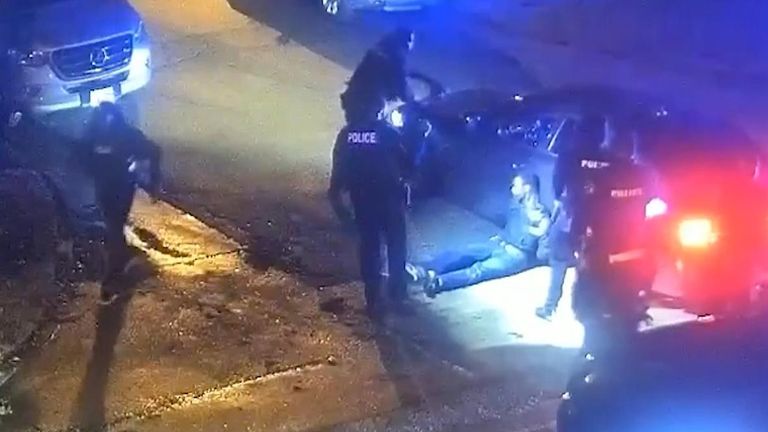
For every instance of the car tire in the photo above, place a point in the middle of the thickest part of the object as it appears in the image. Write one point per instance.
(337, 9)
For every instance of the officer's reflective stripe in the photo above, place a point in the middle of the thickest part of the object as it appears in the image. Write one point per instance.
(369, 137)
(626, 193)
(594, 164)
(629, 255)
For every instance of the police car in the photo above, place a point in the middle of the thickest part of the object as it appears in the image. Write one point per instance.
(480, 137)
(661, 387)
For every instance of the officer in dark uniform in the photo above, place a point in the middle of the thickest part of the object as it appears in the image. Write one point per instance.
(607, 193)
(120, 158)
(370, 164)
(382, 71)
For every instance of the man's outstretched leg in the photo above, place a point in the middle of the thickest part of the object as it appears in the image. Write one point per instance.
(503, 262)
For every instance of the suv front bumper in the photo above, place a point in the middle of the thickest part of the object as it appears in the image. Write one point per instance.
(43, 91)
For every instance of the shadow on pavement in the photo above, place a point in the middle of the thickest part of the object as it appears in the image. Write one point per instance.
(89, 412)
(441, 383)
(399, 356)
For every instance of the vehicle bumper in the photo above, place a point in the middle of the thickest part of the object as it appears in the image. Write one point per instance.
(44, 92)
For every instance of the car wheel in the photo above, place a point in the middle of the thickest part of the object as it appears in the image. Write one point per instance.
(336, 9)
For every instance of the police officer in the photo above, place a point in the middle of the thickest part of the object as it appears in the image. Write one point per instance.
(382, 72)
(370, 164)
(607, 193)
(120, 158)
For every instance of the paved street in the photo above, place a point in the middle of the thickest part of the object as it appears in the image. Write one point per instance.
(246, 315)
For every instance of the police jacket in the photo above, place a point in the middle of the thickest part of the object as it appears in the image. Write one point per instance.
(123, 157)
(369, 159)
(380, 73)
(607, 196)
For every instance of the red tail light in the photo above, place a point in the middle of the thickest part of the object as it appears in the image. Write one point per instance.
(696, 233)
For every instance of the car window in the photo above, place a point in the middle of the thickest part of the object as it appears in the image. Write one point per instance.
(535, 132)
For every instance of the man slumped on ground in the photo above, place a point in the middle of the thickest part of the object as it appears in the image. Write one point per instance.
(511, 251)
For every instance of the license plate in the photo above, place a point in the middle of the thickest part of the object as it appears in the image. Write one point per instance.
(100, 96)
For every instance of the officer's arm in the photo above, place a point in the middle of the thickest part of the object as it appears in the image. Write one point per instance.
(561, 174)
(339, 179)
(155, 167)
(147, 150)
(395, 140)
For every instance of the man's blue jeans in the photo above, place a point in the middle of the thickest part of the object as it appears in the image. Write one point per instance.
(478, 263)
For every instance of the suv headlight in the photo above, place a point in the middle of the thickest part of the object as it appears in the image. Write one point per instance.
(31, 58)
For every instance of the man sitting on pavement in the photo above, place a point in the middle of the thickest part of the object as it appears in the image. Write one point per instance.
(510, 252)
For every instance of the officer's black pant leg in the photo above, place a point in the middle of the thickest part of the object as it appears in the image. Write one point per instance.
(395, 234)
(370, 261)
(116, 211)
(559, 269)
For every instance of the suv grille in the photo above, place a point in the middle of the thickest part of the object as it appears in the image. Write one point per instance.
(93, 59)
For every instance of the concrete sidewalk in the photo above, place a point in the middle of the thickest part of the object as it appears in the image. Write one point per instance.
(201, 340)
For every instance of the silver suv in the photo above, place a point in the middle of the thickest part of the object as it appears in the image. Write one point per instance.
(72, 53)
